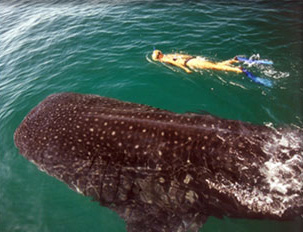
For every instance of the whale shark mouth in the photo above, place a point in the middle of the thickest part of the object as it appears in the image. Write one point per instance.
(163, 171)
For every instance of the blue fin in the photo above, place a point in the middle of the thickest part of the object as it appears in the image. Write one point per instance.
(243, 59)
(258, 80)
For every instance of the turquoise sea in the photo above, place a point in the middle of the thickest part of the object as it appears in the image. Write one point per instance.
(104, 47)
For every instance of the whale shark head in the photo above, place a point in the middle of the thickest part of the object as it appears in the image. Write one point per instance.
(162, 171)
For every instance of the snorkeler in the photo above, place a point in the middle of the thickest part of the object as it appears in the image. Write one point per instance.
(188, 62)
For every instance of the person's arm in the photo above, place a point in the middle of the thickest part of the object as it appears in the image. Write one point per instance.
(175, 63)
(180, 66)
(183, 56)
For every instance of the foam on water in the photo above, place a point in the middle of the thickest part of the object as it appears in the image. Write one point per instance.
(281, 170)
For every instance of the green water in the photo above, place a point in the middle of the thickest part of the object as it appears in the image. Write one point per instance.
(104, 48)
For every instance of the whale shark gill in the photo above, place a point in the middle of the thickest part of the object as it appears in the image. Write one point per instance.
(163, 171)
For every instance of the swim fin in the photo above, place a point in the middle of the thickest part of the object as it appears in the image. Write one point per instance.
(243, 59)
(258, 80)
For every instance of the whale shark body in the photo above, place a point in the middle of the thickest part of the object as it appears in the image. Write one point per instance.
(163, 171)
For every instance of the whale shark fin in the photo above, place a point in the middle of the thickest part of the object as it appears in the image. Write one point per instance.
(137, 221)
(152, 215)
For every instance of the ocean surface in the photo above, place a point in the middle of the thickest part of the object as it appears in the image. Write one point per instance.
(104, 48)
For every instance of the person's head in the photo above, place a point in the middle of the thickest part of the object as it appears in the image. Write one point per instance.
(157, 55)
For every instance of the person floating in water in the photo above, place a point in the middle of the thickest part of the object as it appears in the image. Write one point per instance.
(188, 62)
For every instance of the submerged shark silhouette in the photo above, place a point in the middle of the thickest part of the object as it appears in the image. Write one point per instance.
(163, 171)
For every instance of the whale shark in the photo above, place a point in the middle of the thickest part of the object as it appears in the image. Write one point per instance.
(165, 171)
